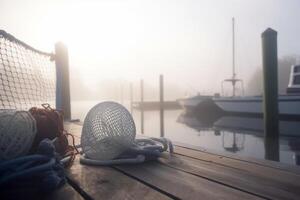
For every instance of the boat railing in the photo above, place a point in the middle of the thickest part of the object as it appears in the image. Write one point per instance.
(233, 81)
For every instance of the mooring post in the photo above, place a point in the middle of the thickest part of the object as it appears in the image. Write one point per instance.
(270, 97)
(131, 97)
(62, 80)
(141, 106)
(161, 104)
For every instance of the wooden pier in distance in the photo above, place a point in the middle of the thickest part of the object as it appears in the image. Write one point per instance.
(155, 105)
(187, 174)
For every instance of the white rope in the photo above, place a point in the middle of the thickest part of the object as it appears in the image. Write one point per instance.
(87, 161)
(17, 132)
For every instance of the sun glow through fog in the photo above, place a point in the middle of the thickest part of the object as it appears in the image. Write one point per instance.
(121, 40)
(95, 34)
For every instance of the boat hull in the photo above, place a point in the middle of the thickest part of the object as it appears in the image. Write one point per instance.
(288, 105)
(191, 104)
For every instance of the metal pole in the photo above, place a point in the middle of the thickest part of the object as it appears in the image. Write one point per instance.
(270, 99)
(141, 106)
(233, 59)
(131, 97)
(161, 103)
(62, 80)
(122, 93)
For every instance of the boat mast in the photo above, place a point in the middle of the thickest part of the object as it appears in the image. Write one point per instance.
(233, 59)
(233, 79)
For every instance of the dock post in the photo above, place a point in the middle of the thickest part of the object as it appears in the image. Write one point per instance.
(270, 97)
(62, 80)
(131, 97)
(141, 106)
(161, 104)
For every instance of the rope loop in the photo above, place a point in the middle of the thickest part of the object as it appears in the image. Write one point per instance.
(145, 149)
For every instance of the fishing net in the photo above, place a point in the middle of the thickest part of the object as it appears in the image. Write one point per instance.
(27, 76)
(108, 130)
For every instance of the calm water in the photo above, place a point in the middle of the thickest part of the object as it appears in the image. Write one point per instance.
(240, 136)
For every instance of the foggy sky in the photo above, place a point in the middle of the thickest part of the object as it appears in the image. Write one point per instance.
(187, 41)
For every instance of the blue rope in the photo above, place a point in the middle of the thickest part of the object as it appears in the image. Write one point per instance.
(28, 172)
(43, 168)
(4, 165)
(87, 161)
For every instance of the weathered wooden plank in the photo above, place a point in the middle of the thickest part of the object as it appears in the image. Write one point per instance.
(63, 193)
(267, 163)
(235, 163)
(107, 183)
(75, 130)
(181, 184)
(278, 186)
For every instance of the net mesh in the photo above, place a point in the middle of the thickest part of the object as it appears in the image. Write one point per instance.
(107, 131)
(27, 76)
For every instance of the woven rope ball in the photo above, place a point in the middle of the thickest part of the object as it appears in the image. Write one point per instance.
(107, 131)
(17, 132)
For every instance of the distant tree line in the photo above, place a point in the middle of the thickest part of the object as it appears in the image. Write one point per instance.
(255, 84)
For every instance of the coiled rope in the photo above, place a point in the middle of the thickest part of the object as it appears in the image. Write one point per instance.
(43, 170)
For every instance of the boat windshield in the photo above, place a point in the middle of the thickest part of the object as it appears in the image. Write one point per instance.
(296, 69)
(296, 80)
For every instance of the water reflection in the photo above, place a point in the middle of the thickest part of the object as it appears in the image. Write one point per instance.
(233, 142)
(234, 129)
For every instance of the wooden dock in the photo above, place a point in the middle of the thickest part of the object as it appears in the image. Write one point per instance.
(187, 174)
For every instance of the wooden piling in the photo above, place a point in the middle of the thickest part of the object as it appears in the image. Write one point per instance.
(62, 80)
(141, 106)
(270, 97)
(161, 103)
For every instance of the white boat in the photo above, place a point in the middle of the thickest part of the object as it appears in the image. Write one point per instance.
(288, 105)
(190, 104)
